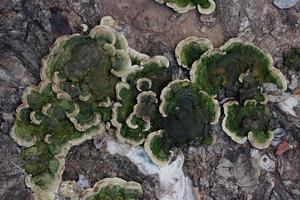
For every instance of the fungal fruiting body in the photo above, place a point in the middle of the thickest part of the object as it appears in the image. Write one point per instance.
(237, 70)
(95, 82)
(108, 188)
(181, 6)
(71, 104)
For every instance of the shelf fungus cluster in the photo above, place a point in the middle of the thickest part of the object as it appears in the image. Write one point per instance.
(181, 6)
(105, 189)
(235, 73)
(91, 83)
(71, 104)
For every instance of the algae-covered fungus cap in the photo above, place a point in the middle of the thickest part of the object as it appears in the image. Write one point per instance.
(178, 89)
(155, 149)
(182, 6)
(223, 70)
(206, 7)
(187, 113)
(143, 109)
(264, 70)
(190, 49)
(70, 105)
(120, 113)
(155, 71)
(229, 111)
(138, 105)
(111, 188)
(136, 57)
(249, 121)
(108, 188)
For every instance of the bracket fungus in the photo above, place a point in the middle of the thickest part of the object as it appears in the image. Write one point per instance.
(108, 188)
(250, 120)
(155, 148)
(237, 70)
(136, 114)
(71, 104)
(186, 113)
(190, 49)
(181, 6)
(90, 82)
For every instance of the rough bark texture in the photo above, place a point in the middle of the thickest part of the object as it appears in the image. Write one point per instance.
(224, 171)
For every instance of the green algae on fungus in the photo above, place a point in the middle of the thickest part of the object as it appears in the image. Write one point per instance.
(229, 67)
(70, 105)
(90, 82)
(136, 57)
(137, 109)
(291, 59)
(182, 6)
(105, 189)
(187, 113)
(155, 69)
(190, 49)
(145, 106)
(114, 188)
(250, 120)
(155, 148)
(184, 93)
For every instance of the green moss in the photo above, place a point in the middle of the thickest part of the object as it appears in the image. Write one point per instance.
(158, 149)
(115, 192)
(243, 119)
(291, 58)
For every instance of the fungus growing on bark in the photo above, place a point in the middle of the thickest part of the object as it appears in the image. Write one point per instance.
(249, 121)
(187, 113)
(236, 70)
(71, 104)
(190, 49)
(155, 148)
(182, 6)
(137, 110)
(90, 81)
(108, 188)
(239, 69)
